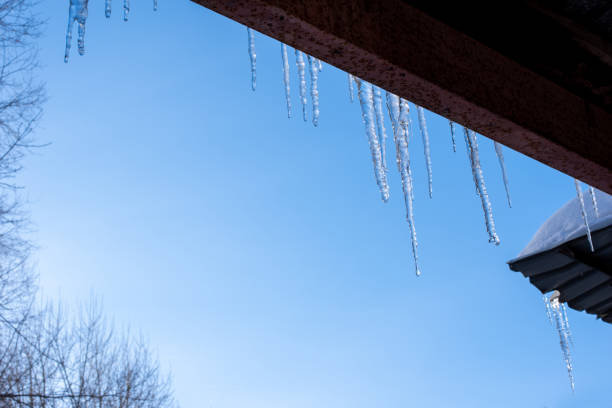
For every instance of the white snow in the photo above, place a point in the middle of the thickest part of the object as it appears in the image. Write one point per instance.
(567, 224)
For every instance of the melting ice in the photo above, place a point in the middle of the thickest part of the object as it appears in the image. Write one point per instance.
(252, 57)
(471, 143)
(557, 315)
(301, 67)
(584, 213)
(502, 163)
(399, 116)
(286, 78)
(426, 147)
(77, 13)
(314, 88)
(366, 100)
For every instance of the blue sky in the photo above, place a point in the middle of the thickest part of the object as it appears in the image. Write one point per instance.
(254, 252)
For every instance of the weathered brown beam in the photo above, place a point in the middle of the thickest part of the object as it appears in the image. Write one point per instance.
(513, 99)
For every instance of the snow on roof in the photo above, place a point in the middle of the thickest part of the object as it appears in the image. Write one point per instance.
(567, 224)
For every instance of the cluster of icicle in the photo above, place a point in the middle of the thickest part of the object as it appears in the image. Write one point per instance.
(372, 112)
(557, 316)
(77, 13)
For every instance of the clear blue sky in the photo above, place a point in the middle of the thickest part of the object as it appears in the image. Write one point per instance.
(254, 252)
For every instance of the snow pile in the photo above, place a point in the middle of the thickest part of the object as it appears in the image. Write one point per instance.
(567, 224)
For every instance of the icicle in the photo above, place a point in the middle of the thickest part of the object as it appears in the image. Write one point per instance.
(380, 124)
(107, 9)
(286, 78)
(351, 87)
(301, 66)
(154, 5)
(502, 164)
(314, 88)
(126, 9)
(426, 147)
(400, 124)
(557, 315)
(594, 200)
(320, 65)
(253, 57)
(393, 107)
(471, 142)
(367, 112)
(452, 129)
(584, 213)
(76, 12)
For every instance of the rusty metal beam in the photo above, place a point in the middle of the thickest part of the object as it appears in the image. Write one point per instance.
(528, 94)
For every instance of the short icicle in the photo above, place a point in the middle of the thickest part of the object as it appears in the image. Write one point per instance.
(107, 8)
(557, 315)
(314, 88)
(77, 12)
(286, 78)
(452, 130)
(351, 87)
(380, 124)
(320, 64)
(594, 201)
(584, 213)
(367, 111)
(502, 164)
(471, 142)
(126, 10)
(252, 57)
(301, 67)
(426, 147)
(400, 124)
(154, 5)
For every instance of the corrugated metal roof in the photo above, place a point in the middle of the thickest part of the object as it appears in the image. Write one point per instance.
(583, 278)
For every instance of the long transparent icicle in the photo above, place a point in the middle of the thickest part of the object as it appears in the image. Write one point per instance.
(594, 201)
(452, 130)
(286, 78)
(380, 124)
(400, 124)
(366, 101)
(471, 142)
(314, 88)
(252, 57)
(584, 213)
(426, 147)
(126, 10)
(557, 315)
(351, 87)
(107, 8)
(502, 164)
(301, 67)
(77, 12)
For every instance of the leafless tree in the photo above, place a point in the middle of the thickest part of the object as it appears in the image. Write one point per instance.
(48, 360)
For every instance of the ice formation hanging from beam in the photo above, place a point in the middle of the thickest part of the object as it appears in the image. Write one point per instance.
(77, 13)
(556, 312)
(370, 98)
